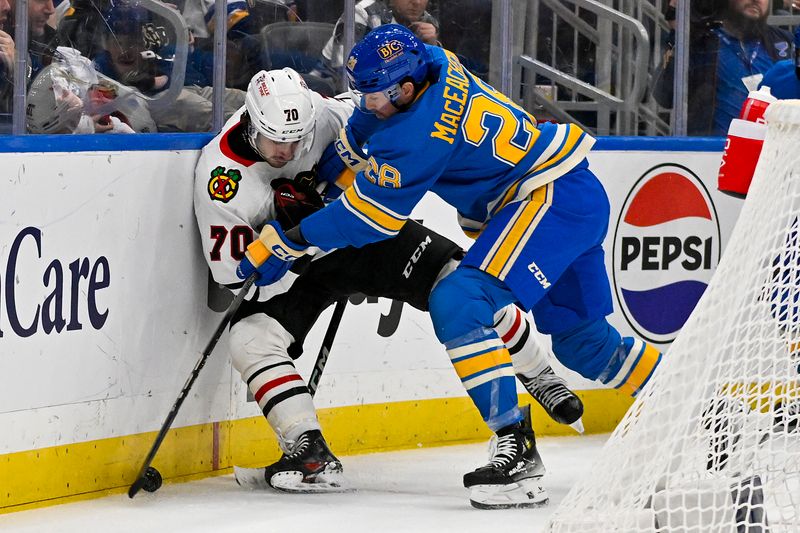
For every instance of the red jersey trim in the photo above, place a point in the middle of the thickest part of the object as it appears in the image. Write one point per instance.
(225, 148)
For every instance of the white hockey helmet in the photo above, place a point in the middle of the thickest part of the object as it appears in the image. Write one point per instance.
(280, 108)
(53, 103)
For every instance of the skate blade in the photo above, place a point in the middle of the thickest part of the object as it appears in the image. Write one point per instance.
(292, 482)
(578, 425)
(526, 493)
(250, 478)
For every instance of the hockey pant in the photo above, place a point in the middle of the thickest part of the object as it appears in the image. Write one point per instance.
(544, 252)
(267, 336)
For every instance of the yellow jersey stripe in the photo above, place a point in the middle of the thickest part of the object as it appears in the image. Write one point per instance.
(552, 147)
(625, 369)
(502, 372)
(472, 234)
(482, 362)
(368, 221)
(642, 371)
(573, 136)
(547, 193)
(376, 203)
(515, 233)
(572, 146)
(345, 179)
(235, 17)
(372, 212)
(499, 240)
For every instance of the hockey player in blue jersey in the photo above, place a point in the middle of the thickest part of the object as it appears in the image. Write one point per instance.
(783, 79)
(524, 192)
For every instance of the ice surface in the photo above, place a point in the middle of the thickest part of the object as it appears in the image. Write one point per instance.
(409, 491)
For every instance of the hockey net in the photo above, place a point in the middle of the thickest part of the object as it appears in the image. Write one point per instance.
(712, 444)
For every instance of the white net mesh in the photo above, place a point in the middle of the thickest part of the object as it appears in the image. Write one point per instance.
(713, 443)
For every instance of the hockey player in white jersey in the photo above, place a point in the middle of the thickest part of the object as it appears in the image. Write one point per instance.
(280, 133)
(252, 173)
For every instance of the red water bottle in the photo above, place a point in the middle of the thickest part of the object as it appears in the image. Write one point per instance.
(757, 102)
(743, 144)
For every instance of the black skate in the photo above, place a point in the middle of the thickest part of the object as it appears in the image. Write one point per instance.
(723, 420)
(552, 393)
(787, 417)
(511, 479)
(310, 467)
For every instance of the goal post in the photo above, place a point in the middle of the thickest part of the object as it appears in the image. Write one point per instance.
(712, 444)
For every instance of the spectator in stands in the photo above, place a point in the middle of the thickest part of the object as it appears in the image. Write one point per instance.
(41, 47)
(316, 11)
(370, 14)
(730, 49)
(80, 26)
(243, 48)
(244, 53)
(6, 61)
(43, 38)
(783, 79)
(57, 104)
(785, 7)
(137, 62)
(464, 30)
(6, 41)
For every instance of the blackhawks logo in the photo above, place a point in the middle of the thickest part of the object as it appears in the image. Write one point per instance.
(224, 184)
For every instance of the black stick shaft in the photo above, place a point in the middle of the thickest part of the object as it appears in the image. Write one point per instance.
(140, 479)
(325, 348)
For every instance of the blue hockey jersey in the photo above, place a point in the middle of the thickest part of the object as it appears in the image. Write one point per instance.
(460, 139)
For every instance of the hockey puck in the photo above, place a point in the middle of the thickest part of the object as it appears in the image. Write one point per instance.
(152, 479)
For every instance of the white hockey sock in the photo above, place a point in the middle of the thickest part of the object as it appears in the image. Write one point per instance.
(528, 356)
(259, 352)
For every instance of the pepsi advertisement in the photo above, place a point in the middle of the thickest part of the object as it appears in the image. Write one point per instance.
(667, 232)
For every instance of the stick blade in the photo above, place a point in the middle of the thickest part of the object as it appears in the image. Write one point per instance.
(136, 487)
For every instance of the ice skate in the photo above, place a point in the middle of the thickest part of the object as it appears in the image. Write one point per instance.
(310, 467)
(723, 420)
(552, 393)
(512, 476)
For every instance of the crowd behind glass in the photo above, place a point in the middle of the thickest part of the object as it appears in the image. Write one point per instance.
(125, 66)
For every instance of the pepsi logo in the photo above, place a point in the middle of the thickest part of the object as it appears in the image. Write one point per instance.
(666, 248)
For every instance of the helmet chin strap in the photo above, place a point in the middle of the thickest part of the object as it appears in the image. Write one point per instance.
(406, 106)
(303, 144)
(250, 135)
(401, 107)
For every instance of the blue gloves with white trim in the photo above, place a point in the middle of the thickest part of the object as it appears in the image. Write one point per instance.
(342, 154)
(271, 255)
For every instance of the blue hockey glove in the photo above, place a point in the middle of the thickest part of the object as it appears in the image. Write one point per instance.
(330, 165)
(341, 155)
(270, 255)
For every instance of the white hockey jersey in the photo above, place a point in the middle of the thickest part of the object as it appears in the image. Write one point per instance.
(232, 195)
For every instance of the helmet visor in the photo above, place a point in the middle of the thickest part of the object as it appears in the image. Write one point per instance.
(369, 102)
(256, 138)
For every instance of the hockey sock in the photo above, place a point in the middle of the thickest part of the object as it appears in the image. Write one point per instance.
(483, 363)
(284, 400)
(258, 345)
(631, 366)
(514, 328)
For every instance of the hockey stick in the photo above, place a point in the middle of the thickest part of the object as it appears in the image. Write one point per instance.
(325, 348)
(143, 478)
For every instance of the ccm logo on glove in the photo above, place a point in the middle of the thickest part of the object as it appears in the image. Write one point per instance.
(270, 255)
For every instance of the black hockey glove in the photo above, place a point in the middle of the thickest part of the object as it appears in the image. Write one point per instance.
(294, 201)
(144, 72)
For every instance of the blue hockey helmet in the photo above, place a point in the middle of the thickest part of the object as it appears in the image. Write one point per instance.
(385, 57)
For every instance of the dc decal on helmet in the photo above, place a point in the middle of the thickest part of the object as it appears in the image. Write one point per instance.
(280, 108)
(385, 57)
